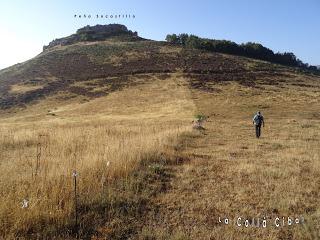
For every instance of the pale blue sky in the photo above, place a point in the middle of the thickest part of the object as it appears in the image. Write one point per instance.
(282, 25)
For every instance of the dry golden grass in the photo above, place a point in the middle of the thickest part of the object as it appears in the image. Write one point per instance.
(24, 88)
(231, 174)
(103, 140)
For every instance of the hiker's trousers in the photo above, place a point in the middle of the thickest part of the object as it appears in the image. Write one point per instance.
(258, 130)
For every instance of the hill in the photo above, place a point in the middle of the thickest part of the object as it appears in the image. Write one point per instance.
(114, 51)
(119, 111)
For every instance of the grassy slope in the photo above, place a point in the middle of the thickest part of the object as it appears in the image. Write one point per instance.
(123, 128)
(230, 173)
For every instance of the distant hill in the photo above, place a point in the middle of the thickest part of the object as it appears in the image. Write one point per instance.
(107, 57)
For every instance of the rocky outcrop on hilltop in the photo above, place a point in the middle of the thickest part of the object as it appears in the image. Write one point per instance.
(95, 33)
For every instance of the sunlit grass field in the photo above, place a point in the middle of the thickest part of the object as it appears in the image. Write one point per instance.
(112, 142)
(232, 174)
(102, 140)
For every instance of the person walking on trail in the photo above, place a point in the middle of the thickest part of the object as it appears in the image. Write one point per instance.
(258, 121)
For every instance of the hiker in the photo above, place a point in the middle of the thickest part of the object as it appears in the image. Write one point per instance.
(258, 121)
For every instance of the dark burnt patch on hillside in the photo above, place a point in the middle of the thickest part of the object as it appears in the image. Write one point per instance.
(205, 70)
(202, 63)
(9, 100)
(207, 82)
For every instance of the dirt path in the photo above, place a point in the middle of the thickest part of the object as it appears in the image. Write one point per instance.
(187, 208)
(190, 209)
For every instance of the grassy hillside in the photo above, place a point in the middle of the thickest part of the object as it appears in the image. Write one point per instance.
(61, 69)
(231, 174)
(120, 113)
